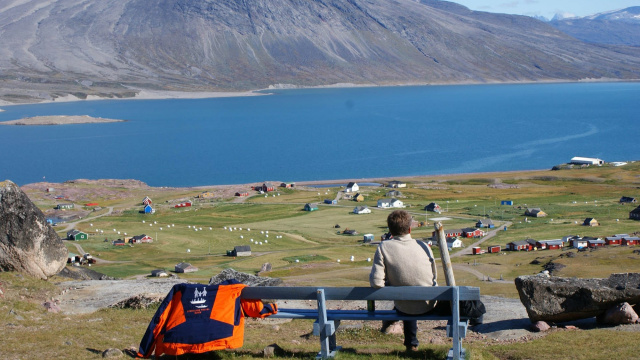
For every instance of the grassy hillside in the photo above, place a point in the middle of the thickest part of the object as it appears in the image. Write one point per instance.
(305, 248)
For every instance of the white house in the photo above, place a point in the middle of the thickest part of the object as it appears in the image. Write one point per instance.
(390, 203)
(454, 243)
(352, 187)
(586, 161)
(362, 210)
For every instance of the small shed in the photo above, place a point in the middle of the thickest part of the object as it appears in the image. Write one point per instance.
(595, 243)
(590, 222)
(367, 238)
(184, 267)
(64, 206)
(159, 273)
(331, 201)
(494, 249)
(242, 194)
(287, 185)
(477, 251)
(243, 250)
(635, 214)
(506, 202)
(147, 201)
(358, 197)
(522, 245)
(628, 200)
(149, 210)
(119, 242)
(310, 207)
(472, 232)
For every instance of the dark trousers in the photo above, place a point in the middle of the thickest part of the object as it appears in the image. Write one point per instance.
(410, 328)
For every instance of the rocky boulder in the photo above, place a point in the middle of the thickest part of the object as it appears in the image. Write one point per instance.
(27, 243)
(556, 299)
(247, 279)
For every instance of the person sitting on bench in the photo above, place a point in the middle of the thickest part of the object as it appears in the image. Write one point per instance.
(403, 261)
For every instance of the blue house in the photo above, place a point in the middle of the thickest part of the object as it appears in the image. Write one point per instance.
(149, 210)
(485, 223)
(506, 202)
(330, 201)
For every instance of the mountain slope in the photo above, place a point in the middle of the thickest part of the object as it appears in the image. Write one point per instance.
(621, 27)
(113, 47)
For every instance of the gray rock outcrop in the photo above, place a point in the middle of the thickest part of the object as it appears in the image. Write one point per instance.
(27, 243)
(557, 299)
(619, 314)
(247, 279)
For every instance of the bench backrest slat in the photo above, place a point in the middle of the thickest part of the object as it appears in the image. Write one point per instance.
(360, 293)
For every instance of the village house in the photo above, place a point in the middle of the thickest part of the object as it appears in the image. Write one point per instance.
(453, 242)
(535, 212)
(577, 160)
(449, 233)
(138, 239)
(522, 245)
(184, 267)
(242, 194)
(148, 209)
(494, 249)
(159, 273)
(615, 239)
(352, 187)
(77, 235)
(266, 187)
(632, 240)
(393, 193)
(146, 201)
(331, 201)
(205, 195)
(590, 222)
(472, 232)
(367, 238)
(396, 184)
(64, 206)
(477, 251)
(362, 210)
(550, 244)
(390, 203)
(592, 243)
(184, 204)
(433, 207)
(485, 223)
(628, 200)
(118, 242)
(310, 207)
(243, 250)
(635, 214)
(287, 185)
(358, 197)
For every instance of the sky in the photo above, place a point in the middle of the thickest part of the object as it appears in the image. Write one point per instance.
(547, 8)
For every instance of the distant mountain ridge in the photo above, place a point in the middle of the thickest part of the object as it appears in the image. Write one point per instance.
(51, 48)
(619, 27)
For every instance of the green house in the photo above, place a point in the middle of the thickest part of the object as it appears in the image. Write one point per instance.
(77, 235)
(311, 207)
(64, 206)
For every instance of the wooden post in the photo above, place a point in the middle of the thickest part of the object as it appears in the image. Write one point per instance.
(444, 254)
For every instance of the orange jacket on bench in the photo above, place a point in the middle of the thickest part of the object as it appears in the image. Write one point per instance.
(196, 318)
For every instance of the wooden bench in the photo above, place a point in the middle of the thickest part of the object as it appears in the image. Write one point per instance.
(328, 320)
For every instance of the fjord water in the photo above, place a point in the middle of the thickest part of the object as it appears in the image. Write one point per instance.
(322, 134)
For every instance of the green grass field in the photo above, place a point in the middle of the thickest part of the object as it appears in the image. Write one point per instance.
(283, 233)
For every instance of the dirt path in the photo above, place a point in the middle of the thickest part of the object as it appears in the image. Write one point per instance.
(478, 274)
(75, 223)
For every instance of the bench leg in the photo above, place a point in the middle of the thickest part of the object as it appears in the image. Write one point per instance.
(326, 329)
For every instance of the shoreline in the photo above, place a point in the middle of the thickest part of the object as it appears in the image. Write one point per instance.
(146, 94)
(58, 120)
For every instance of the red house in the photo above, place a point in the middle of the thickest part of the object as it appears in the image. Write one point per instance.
(472, 232)
(613, 240)
(630, 241)
(449, 233)
(146, 201)
(522, 245)
(477, 251)
(242, 194)
(184, 204)
(141, 239)
(494, 249)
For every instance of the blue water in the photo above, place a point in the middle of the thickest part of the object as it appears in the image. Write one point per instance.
(324, 134)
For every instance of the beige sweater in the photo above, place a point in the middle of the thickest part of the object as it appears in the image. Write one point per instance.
(401, 261)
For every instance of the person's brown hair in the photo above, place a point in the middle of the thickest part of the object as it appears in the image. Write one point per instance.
(399, 222)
